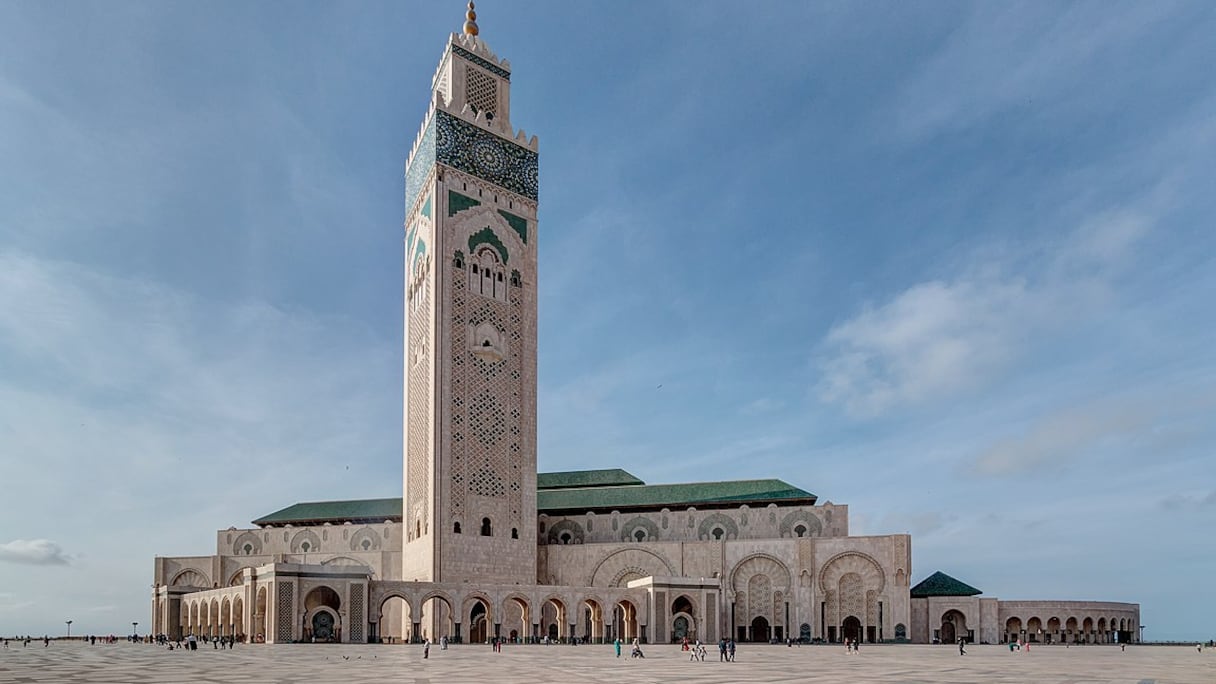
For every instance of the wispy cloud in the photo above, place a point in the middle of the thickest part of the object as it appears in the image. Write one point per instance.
(33, 552)
(942, 337)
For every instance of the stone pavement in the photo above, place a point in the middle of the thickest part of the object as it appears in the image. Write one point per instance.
(125, 663)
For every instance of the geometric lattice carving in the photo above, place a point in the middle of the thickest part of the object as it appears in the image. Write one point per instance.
(852, 595)
(760, 579)
(418, 415)
(486, 396)
(481, 91)
(759, 597)
(355, 631)
(284, 618)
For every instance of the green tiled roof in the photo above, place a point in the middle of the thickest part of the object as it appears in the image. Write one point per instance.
(941, 584)
(576, 491)
(657, 496)
(313, 512)
(614, 477)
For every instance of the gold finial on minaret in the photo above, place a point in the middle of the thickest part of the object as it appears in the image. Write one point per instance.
(470, 26)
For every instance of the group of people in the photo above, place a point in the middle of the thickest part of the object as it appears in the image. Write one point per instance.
(851, 645)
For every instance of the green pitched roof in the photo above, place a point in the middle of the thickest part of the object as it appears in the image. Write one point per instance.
(736, 492)
(941, 584)
(614, 477)
(576, 491)
(314, 512)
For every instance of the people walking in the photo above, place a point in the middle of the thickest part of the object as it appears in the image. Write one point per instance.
(961, 643)
(730, 651)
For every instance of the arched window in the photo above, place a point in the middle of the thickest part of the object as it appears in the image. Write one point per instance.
(487, 276)
(456, 528)
(486, 530)
(800, 530)
(640, 535)
(718, 532)
(565, 538)
(305, 547)
(248, 549)
(514, 533)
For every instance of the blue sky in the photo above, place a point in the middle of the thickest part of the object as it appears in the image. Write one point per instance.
(951, 264)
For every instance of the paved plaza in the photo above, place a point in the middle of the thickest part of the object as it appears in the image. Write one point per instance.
(127, 663)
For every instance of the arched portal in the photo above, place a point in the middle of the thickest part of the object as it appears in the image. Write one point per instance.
(553, 619)
(259, 616)
(226, 617)
(1034, 630)
(593, 621)
(516, 618)
(683, 622)
(322, 621)
(851, 628)
(760, 629)
(954, 627)
(625, 620)
(239, 629)
(479, 623)
(437, 620)
(395, 623)
(1013, 629)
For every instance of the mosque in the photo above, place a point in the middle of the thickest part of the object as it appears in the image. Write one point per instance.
(483, 546)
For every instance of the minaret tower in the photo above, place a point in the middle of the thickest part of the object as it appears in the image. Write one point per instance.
(470, 328)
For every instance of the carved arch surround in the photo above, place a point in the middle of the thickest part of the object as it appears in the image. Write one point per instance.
(862, 564)
(760, 563)
(614, 565)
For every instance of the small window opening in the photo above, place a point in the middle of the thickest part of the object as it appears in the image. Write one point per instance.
(565, 538)
(456, 528)
(800, 530)
(248, 549)
(305, 547)
(485, 527)
(367, 544)
(640, 535)
(515, 533)
(718, 532)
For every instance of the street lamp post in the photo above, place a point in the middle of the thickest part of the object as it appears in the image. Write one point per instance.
(134, 631)
(69, 623)
(1141, 633)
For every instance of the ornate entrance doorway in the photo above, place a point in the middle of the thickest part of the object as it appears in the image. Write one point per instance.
(851, 628)
(323, 626)
(760, 629)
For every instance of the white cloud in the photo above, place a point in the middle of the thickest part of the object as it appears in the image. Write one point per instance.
(1063, 436)
(33, 552)
(943, 337)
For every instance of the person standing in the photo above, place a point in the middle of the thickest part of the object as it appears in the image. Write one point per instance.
(730, 650)
(617, 644)
(722, 650)
(961, 643)
(426, 648)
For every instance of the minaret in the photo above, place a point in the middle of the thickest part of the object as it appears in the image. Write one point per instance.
(470, 328)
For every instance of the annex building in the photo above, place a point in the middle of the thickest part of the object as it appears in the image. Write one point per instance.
(481, 545)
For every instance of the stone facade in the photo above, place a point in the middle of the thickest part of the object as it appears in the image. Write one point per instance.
(473, 550)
